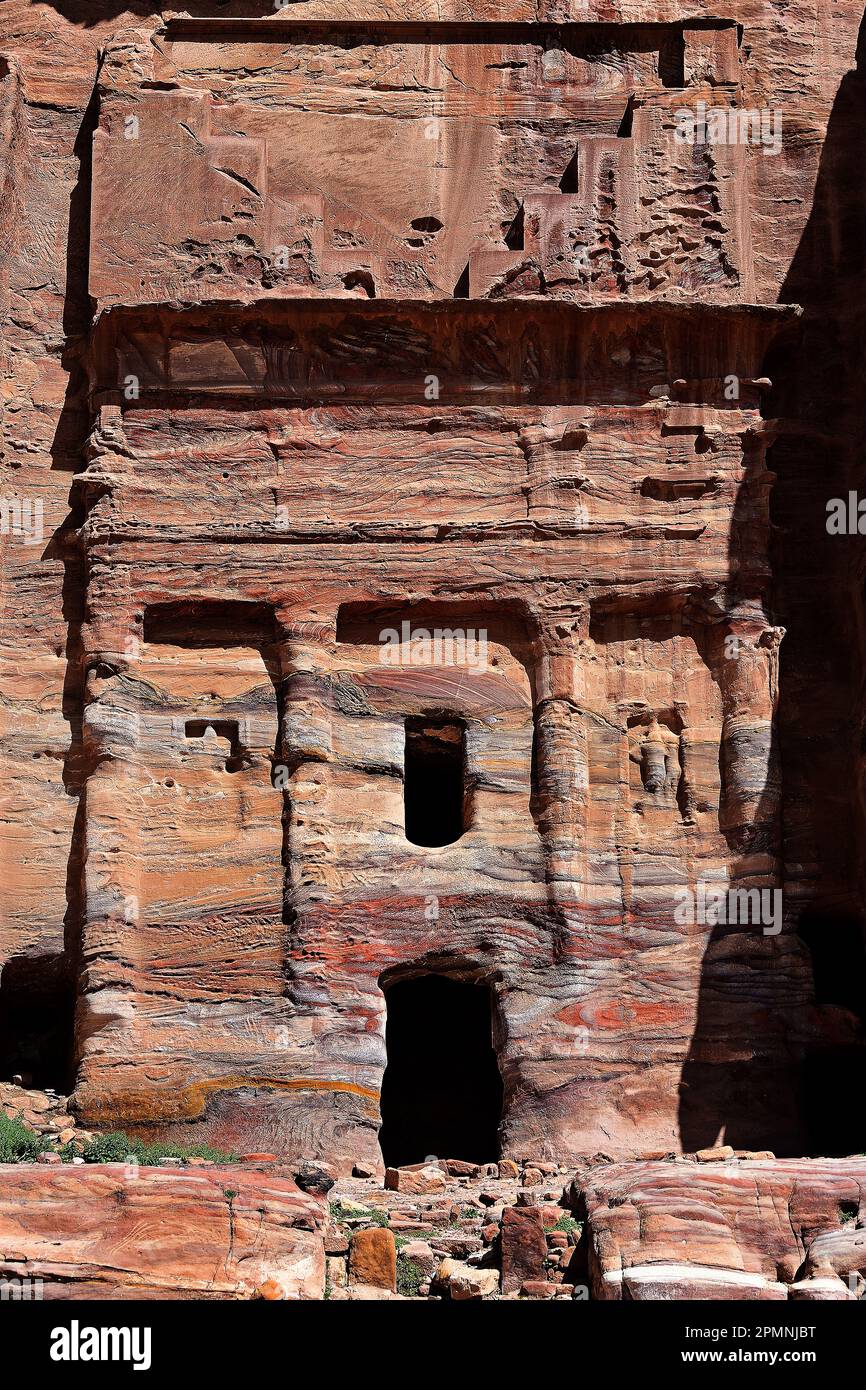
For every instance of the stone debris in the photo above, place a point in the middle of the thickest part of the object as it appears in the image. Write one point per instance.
(654, 1229)
(477, 1242)
(47, 1114)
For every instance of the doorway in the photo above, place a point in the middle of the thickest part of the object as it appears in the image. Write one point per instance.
(442, 1092)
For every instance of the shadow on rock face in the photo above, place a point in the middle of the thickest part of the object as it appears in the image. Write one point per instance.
(793, 1093)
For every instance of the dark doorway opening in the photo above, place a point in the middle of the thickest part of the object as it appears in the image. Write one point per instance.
(835, 1122)
(442, 1092)
(433, 781)
(834, 1074)
(835, 942)
(36, 1022)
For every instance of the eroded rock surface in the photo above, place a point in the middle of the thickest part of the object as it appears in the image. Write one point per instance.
(108, 1232)
(395, 391)
(743, 1229)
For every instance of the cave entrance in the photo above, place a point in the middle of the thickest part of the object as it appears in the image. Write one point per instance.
(433, 785)
(442, 1092)
(37, 1010)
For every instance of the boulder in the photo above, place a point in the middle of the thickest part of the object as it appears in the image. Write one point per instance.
(420, 1253)
(523, 1246)
(373, 1258)
(315, 1177)
(417, 1181)
(461, 1281)
(539, 1288)
(97, 1231)
(762, 1229)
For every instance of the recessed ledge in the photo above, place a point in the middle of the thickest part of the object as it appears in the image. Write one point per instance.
(389, 351)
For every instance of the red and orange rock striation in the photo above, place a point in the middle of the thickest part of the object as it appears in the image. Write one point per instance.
(421, 453)
(109, 1232)
(756, 1229)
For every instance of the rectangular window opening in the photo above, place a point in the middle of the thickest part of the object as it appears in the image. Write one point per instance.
(434, 781)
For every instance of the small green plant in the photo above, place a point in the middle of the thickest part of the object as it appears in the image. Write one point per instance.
(117, 1147)
(847, 1212)
(410, 1277)
(108, 1148)
(569, 1225)
(18, 1144)
(370, 1216)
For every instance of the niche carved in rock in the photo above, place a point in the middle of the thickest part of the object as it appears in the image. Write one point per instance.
(655, 758)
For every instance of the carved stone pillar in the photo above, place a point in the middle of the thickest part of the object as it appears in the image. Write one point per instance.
(555, 474)
(561, 764)
(305, 720)
(747, 666)
(112, 893)
(335, 1082)
(306, 748)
